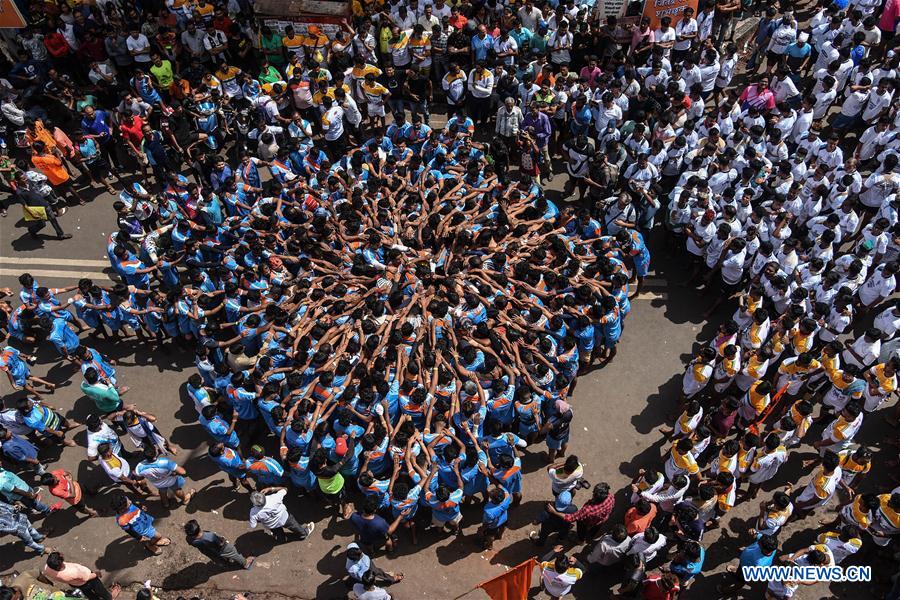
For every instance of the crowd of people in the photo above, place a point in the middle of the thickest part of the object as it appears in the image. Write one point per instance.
(386, 316)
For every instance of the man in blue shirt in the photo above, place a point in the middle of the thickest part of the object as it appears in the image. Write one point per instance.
(358, 564)
(20, 451)
(218, 428)
(482, 45)
(496, 513)
(760, 553)
(165, 475)
(62, 336)
(95, 124)
(688, 562)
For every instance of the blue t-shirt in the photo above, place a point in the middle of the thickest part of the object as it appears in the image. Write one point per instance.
(753, 556)
(446, 510)
(495, 515)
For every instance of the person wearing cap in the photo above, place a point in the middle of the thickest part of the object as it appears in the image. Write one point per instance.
(359, 563)
(553, 519)
(268, 509)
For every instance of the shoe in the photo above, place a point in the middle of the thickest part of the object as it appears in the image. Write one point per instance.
(310, 527)
(65, 236)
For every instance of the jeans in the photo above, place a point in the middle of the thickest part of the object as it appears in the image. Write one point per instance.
(420, 108)
(723, 30)
(32, 537)
(95, 590)
(646, 212)
(35, 505)
(396, 105)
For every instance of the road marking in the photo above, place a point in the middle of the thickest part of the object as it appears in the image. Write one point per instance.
(645, 295)
(57, 262)
(51, 273)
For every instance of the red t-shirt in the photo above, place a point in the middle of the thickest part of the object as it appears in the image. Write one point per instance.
(133, 132)
(56, 44)
(654, 591)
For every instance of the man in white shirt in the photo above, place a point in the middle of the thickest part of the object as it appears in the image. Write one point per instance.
(560, 45)
(333, 126)
(864, 350)
(268, 509)
(878, 103)
(686, 31)
(529, 15)
(879, 286)
(139, 47)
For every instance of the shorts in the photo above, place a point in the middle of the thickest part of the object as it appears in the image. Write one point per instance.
(148, 532)
(98, 168)
(375, 110)
(554, 443)
(170, 490)
(438, 523)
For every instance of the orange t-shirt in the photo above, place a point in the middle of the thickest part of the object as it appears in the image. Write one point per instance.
(635, 522)
(68, 491)
(52, 167)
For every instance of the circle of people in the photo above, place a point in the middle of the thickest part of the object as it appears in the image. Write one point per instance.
(398, 311)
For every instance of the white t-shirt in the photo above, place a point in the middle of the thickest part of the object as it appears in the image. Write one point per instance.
(867, 351)
(140, 45)
(272, 514)
(888, 322)
(854, 103)
(733, 267)
(333, 119)
(104, 434)
(682, 29)
(559, 46)
(359, 590)
(705, 233)
(877, 286)
(662, 37)
(876, 103)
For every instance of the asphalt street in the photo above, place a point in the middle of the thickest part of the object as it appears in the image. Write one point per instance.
(618, 410)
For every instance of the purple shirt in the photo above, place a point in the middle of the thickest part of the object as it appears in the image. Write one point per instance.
(541, 125)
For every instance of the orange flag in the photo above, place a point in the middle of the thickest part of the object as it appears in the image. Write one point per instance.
(512, 585)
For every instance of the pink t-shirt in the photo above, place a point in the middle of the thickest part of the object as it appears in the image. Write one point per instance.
(71, 574)
(889, 16)
(637, 36)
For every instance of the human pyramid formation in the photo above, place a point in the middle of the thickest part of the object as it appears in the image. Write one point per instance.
(413, 336)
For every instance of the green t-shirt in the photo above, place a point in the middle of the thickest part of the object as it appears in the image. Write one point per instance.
(164, 74)
(105, 397)
(88, 100)
(271, 47)
(270, 75)
(331, 485)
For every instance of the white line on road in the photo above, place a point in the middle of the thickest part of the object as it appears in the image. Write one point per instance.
(58, 262)
(51, 273)
(645, 295)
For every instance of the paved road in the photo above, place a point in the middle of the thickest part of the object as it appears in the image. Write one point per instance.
(618, 410)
